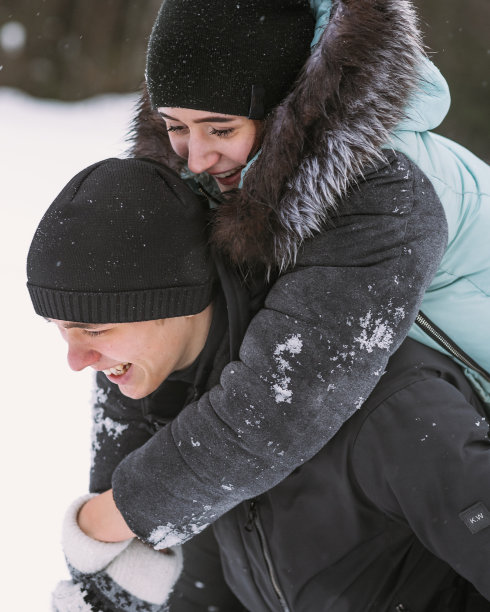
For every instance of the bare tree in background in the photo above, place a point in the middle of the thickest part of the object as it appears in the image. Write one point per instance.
(73, 49)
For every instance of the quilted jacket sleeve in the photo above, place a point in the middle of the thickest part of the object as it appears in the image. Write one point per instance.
(308, 360)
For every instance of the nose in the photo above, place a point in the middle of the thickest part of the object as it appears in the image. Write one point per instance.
(202, 153)
(80, 356)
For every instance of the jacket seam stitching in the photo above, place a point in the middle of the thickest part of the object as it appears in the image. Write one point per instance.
(462, 192)
(463, 278)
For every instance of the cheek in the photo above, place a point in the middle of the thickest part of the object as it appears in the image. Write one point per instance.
(246, 147)
(180, 146)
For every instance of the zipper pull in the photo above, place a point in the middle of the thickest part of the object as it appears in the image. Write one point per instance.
(252, 515)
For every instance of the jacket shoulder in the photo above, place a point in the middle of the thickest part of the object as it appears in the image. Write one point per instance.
(398, 186)
(422, 456)
(391, 212)
(422, 413)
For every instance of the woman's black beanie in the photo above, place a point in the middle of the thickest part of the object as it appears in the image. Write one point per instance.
(124, 241)
(236, 57)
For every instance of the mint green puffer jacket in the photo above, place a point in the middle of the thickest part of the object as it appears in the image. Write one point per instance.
(458, 300)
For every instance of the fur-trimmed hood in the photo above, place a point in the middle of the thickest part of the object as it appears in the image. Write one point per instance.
(350, 95)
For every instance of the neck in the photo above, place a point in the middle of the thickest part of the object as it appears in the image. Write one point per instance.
(201, 327)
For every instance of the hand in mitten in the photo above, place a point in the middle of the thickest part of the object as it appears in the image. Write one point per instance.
(108, 577)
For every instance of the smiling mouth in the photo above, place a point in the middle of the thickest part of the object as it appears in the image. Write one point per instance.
(222, 175)
(118, 370)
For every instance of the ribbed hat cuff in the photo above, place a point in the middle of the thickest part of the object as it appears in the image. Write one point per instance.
(120, 307)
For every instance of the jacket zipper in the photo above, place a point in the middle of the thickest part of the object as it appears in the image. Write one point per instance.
(254, 521)
(443, 340)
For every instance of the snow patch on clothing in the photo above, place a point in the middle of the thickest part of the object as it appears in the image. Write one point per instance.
(169, 535)
(103, 425)
(378, 332)
(283, 394)
(292, 346)
(100, 396)
(359, 403)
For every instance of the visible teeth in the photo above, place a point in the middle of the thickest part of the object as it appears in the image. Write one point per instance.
(229, 173)
(118, 370)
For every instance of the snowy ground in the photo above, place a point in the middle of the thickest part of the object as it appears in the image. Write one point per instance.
(44, 453)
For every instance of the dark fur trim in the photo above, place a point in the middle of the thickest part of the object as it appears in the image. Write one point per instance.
(349, 96)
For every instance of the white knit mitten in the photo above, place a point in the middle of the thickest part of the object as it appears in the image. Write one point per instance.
(113, 576)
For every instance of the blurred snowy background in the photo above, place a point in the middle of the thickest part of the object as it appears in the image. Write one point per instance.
(45, 407)
(75, 50)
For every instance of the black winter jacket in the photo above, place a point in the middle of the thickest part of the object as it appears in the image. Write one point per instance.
(386, 516)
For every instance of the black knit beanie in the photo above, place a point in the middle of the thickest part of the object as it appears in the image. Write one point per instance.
(238, 57)
(124, 241)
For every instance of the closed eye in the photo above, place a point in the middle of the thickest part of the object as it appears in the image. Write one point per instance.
(93, 333)
(174, 128)
(221, 133)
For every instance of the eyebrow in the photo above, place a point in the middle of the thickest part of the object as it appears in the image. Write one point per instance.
(210, 119)
(82, 325)
(78, 325)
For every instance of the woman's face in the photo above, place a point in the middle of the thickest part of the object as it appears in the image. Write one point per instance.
(137, 357)
(212, 142)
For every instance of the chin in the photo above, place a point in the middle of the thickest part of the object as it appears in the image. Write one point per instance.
(225, 188)
(135, 394)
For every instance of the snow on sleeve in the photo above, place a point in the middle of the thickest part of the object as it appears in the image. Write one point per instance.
(377, 332)
(292, 346)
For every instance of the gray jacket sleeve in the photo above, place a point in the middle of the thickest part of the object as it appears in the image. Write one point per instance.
(308, 360)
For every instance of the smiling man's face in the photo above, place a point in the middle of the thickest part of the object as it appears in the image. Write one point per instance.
(136, 356)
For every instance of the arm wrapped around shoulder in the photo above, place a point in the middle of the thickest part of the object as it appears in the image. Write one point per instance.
(113, 576)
